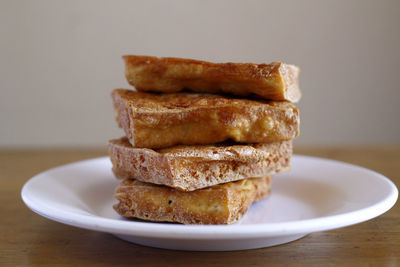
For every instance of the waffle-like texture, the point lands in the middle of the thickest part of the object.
(189, 168)
(275, 81)
(164, 120)
(220, 204)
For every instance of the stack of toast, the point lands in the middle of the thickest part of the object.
(202, 139)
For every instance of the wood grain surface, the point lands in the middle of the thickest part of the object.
(28, 239)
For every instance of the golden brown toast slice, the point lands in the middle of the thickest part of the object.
(220, 204)
(164, 120)
(275, 81)
(189, 168)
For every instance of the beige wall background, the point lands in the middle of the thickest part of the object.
(59, 61)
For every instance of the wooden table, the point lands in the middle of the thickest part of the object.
(29, 239)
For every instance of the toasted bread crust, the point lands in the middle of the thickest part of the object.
(164, 120)
(189, 168)
(220, 204)
(275, 81)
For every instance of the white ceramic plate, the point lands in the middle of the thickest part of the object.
(316, 195)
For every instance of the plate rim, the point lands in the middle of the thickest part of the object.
(179, 231)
